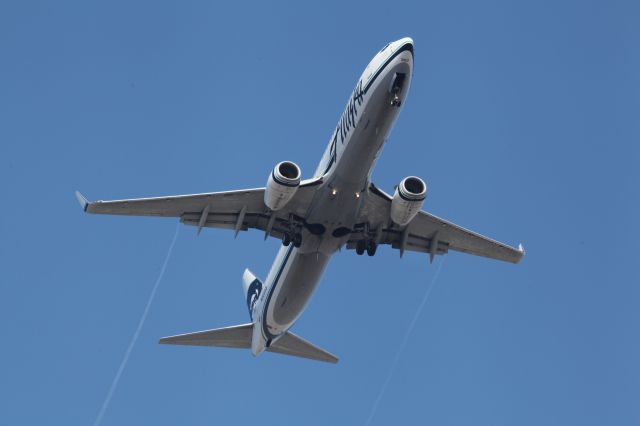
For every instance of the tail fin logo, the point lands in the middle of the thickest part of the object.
(253, 294)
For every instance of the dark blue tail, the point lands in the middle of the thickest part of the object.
(252, 290)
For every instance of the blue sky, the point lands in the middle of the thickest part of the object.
(523, 119)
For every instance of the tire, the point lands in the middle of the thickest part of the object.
(360, 247)
(286, 240)
(297, 240)
(371, 248)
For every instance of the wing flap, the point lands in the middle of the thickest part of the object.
(250, 221)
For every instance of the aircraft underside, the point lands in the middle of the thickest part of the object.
(337, 208)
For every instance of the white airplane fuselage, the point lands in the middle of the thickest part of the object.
(345, 169)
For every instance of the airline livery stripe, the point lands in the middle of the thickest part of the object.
(334, 142)
(407, 46)
(265, 330)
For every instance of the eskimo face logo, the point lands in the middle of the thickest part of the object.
(253, 293)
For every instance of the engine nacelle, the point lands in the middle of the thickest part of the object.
(407, 200)
(282, 185)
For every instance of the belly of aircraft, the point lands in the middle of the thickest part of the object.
(336, 204)
(295, 290)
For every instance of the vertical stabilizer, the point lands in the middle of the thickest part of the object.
(252, 289)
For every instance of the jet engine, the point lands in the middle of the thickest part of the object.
(407, 200)
(282, 185)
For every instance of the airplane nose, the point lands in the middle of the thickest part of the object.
(406, 41)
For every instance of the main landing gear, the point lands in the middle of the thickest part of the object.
(289, 238)
(369, 239)
(293, 234)
(369, 245)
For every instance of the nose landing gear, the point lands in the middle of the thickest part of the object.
(396, 87)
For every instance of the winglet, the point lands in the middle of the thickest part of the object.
(84, 203)
(522, 252)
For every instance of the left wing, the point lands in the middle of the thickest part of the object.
(426, 233)
(237, 210)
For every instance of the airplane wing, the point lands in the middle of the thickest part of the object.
(237, 210)
(427, 233)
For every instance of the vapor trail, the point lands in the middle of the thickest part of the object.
(404, 343)
(134, 339)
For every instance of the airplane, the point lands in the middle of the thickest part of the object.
(338, 207)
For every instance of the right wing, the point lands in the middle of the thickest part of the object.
(237, 210)
(427, 233)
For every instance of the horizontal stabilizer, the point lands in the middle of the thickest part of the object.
(237, 336)
(290, 344)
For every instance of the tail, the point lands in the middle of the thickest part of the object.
(252, 290)
(239, 336)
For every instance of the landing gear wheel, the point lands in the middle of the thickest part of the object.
(297, 240)
(286, 240)
(360, 247)
(371, 248)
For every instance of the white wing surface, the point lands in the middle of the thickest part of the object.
(237, 336)
(427, 233)
(291, 344)
(236, 210)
